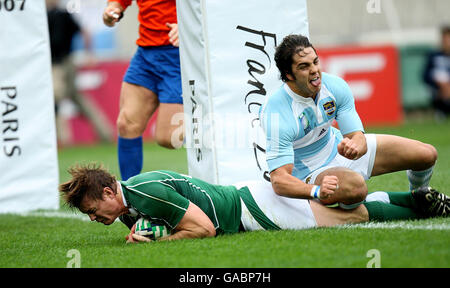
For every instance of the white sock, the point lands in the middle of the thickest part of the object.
(419, 178)
(378, 196)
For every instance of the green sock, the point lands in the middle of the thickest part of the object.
(404, 199)
(379, 211)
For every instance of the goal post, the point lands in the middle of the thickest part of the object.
(227, 67)
(28, 153)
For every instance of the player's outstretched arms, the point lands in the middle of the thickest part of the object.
(111, 14)
(353, 146)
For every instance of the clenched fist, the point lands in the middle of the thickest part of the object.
(112, 13)
(328, 187)
(353, 147)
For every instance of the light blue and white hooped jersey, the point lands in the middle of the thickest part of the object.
(298, 129)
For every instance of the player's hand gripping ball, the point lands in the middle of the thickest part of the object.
(153, 231)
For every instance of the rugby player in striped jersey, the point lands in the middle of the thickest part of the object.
(307, 156)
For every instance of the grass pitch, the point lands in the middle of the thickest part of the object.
(45, 238)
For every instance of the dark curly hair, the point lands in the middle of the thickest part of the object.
(291, 45)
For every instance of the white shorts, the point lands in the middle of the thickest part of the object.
(363, 165)
(287, 213)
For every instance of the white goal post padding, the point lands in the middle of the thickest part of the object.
(28, 155)
(227, 67)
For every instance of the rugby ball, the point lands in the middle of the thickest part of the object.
(151, 230)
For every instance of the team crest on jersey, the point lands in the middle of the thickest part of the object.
(329, 107)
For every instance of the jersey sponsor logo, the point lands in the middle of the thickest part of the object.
(329, 107)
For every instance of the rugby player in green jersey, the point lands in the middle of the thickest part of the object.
(192, 208)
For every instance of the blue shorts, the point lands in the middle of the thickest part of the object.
(157, 69)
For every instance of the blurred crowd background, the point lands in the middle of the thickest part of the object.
(397, 36)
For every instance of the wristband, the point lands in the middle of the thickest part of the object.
(315, 192)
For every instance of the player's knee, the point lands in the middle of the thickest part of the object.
(164, 142)
(164, 139)
(128, 128)
(429, 155)
(357, 190)
(360, 194)
(423, 157)
(171, 139)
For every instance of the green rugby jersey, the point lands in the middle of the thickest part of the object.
(163, 196)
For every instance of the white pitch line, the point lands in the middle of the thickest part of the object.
(398, 225)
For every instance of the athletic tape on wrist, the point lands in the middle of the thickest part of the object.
(315, 192)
